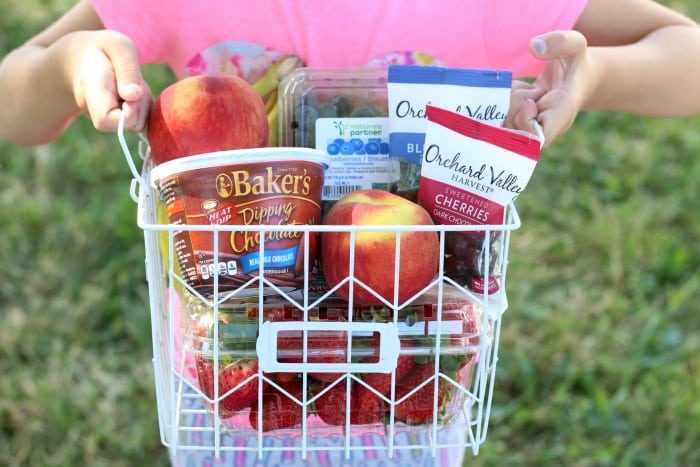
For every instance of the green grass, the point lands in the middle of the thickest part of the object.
(598, 363)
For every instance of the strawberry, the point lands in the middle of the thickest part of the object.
(231, 374)
(327, 347)
(367, 407)
(323, 346)
(381, 382)
(330, 406)
(418, 407)
(461, 330)
(283, 377)
(278, 409)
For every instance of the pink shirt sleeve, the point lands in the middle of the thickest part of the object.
(333, 33)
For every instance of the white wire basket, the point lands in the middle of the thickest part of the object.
(192, 418)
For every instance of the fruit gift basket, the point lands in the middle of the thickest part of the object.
(252, 355)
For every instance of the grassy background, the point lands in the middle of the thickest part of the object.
(599, 356)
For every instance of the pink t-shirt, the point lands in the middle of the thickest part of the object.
(245, 36)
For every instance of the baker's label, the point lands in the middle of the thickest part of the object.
(251, 194)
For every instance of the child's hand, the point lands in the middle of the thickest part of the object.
(564, 82)
(106, 77)
(523, 106)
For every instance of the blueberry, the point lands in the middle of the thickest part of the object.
(357, 143)
(368, 111)
(328, 110)
(333, 149)
(304, 125)
(305, 139)
(372, 148)
(343, 106)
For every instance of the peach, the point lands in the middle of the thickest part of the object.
(375, 252)
(202, 114)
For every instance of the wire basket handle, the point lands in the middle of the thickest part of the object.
(129, 158)
(389, 346)
(538, 130)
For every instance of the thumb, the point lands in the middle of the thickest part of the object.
(127, 71)
(558, 44)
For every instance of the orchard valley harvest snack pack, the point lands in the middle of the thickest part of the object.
(480, 94)
(456, 188)
(470, 172)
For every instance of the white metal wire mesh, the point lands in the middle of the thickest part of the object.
(191, 419)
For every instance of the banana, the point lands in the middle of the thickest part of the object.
(164, 243)
(271, 101)
(266, 85)
(273, 123)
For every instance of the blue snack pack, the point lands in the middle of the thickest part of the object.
(480, 94)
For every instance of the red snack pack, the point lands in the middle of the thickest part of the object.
(470, 172)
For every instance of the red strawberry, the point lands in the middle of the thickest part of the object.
(323, 346)
(283, 312)
(418, 408)
(282, 377)
(382, 381)
(327, 347)
(367, 407)
(278, 409)
(330, 406)
(461, 330)
(231, 374)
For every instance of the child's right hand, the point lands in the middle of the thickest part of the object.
(104, 71)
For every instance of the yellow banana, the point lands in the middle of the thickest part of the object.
(271, 79)
(271, 101)
(273, 123)
(267, 87)
(162, 218)
(164, 244)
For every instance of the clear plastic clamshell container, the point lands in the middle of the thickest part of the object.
(385, 360)
(343, 112)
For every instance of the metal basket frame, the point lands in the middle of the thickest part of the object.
(177, 395)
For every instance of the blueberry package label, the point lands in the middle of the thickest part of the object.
(480, 94)
(359, 155)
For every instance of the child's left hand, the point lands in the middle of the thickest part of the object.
(565, 81)
(559, 92)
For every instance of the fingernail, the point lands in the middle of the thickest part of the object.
(132, 88)
(540, 46)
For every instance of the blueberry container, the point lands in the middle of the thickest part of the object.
(344, 113)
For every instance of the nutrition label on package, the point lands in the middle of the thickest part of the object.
(359, 150)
